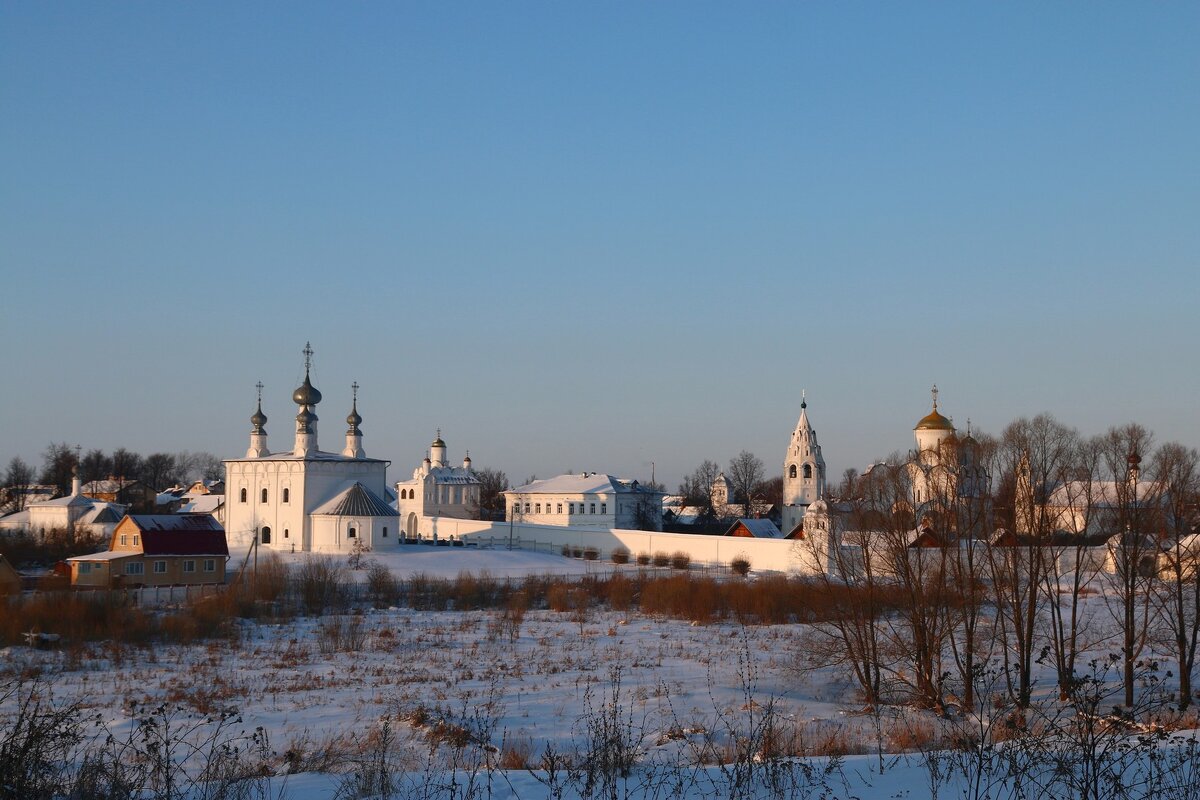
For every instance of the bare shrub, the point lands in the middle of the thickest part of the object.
(620, 592)
(557, 597)
(577, 551)
(661, 559)
(382, 585)
(620, 555)
(37, 741)
(680, 560)
(591, 553)
(643, 559)
(320, 582)
(740, 565)
(611, 739)
(471, 591)
(515, 752)
(341, 635)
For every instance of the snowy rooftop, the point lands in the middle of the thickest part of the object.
(316, 455)
(582, 483)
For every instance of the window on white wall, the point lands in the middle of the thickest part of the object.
(558, 510)
(593, 508)
(604, 508)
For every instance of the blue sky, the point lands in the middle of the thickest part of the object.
(595, 236)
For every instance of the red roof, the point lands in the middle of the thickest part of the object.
(181, 535)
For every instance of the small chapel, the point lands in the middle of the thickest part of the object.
(307, 499)
(438, 489)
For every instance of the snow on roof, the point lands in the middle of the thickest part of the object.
(316, 455)
(1099, 494)
(357, 500)
(758, 528)
(201, 503)
(71, 500)
(582, 483)
(454, 475)
(109, 485)
(106, 555)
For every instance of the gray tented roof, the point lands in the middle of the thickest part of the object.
(357, 501)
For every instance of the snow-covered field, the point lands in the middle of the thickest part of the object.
(681, 698)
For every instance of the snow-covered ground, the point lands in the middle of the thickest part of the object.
(680, 695)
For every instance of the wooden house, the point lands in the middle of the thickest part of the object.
(754, 529)
(156, 550)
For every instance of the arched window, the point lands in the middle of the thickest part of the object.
(808, 471)
(352, 533)
(792, 471)
(285, 533)
(265, 536)
(264, 495)
(243, 495)
(287, 495)
(385, 532)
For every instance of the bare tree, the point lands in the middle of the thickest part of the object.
(1130, 508)
(1069, 567)
(696, 488)
(17, 477)
(58, 466)
(1177, 595)
(160, 470)
(842, 545)
(198, 466)
(492, 485)
(745, 477)
(919, 630)
(1036, 455)
(126, 464)
(95, 466)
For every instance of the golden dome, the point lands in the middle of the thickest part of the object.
(934, 422)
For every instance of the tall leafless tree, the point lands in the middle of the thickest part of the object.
(1130, 514)
(1035, 454)
(17, 478)
(696, 488)
(1177, 594)
(745, 477)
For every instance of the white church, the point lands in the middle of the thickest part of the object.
(438, 489)
(307, 499)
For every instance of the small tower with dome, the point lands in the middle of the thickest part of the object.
(354, 447)
(258, 431)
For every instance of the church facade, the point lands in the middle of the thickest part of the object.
(306, 499)
(437, 489)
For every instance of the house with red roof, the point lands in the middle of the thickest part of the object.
(156, 550)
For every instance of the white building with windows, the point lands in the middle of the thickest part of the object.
(76, 514)
(307, 499)
(437, 489)
(585, 500)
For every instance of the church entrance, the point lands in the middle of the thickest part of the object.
(410, 526)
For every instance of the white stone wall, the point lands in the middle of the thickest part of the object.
(774, 555)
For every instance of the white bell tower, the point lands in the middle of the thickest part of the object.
(803, 471)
